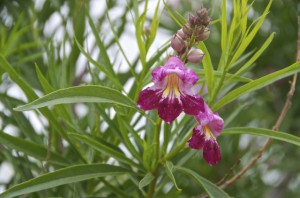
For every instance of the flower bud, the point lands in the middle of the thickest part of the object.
(195, 56)
(204, 35)
(187, 29)
(183, 35)
(192, 20)
(206, 21)
(202, 12)
(178, 44)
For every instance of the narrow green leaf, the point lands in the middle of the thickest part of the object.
(45, 84)
(256, 55)
(179, 23)
(116, 37)
(212, 190)
(277, 135)
(104, 147)
(257, 84)
(154, 26)
(100, 66)
(31, 95)
(249, 37)
(103, 51)
(232, 77)
(169, 170)
(90, 93)
(26, 88)
(63, 176)
(146, 180)
(139, 36)
(208, 68)
(31, 148)
(224, 27)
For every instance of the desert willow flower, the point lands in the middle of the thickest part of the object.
(173, 91)
(205, 133)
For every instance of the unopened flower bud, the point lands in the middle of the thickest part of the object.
(183, 35)
(203, 36)
(178, 44)
(202, 12)
(206, 21)
(192, 20)
(195, 56)
(187, 29)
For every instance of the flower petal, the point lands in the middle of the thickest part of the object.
(149, 98)
(159, 74)
(174, 63)
(192, 105)
(197, 139)
(216, 125)
(211, 152)
(189, 77)
(169, 109)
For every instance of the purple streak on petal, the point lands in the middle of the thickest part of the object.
(192, 105)
(211, 152)
(189, 77)
(169, 109)
(174, 63)
(197, 139)
(159, 74)
(149, 99)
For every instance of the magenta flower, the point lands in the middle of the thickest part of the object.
(205, 134)
(173, 91)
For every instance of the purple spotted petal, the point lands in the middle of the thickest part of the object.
(169, 109)
(149, 99)
(192, 105)
(211, 152)
(197, 139)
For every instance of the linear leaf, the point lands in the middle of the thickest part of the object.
(104, 147)
(179, 22)
(169, 170)
(265, 133)
(247, 40)
(224, 27)
(212, 190)
(146, 180)
(31, 148)
(103, 51)
(257, 84)
(90, 93)
(208, 68)
(63, 176)
(139, 36)
(100, 66)
(256, 55)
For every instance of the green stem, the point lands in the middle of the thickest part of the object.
(177, 149)
(217, 89)
(151, 190)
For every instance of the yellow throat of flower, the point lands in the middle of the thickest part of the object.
(208, 133)
(172, 90)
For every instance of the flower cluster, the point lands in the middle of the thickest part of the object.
(194, 31)
(175, 90)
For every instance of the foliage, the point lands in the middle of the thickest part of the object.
(84, 135)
